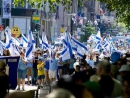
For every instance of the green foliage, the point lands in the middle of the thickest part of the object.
(52, 3)
(88, 30)
(122, 28)
(122, 8)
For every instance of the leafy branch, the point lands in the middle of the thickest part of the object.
(52, 3)
(122, 8)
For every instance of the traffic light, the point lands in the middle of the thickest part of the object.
(38, 27)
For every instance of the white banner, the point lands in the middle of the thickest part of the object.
(6, 9)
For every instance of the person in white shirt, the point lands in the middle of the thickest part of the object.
(91, 62)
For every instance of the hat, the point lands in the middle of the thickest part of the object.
(124, 68)
(41, 58)
(94, 86)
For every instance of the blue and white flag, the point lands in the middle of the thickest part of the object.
(16, 49)
(24, 41)
(45, 45)
(97, 47)
(16, 41)
(98, 36)
(81, 49)
(30, 45)
(67, 52)
(9, 42)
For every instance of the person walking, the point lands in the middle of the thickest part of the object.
(53, 68)
(46, 68)
(22, 70)
(34, 69)
(29, 69)
(60, 66)
(40, 68)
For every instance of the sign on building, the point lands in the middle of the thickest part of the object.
(6, 9)
(36, 19)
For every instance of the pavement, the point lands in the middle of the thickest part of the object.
(41, 92)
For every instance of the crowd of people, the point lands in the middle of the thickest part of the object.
(86, 77)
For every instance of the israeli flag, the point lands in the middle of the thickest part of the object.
(98, 36)
(67, 52)
(64, 40)
(33, 41)
(45, 45)
(30, 45)
(16, 41)
(105, 45)
(97, 47)
(9, 42)
(24, 41)
(81, 49)
(16, 49)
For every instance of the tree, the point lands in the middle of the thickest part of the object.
(52, 3)
(122, 28)
(122, 8)
(88, 30)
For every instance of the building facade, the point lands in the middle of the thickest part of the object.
(20, 16)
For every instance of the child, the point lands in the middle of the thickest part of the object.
(40, 68)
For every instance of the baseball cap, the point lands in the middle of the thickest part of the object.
(124, 68)
(41, 58)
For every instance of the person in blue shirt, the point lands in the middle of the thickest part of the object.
(53, 68)
(22, 70)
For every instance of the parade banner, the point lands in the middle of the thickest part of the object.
(6, 9)
(12, 65)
